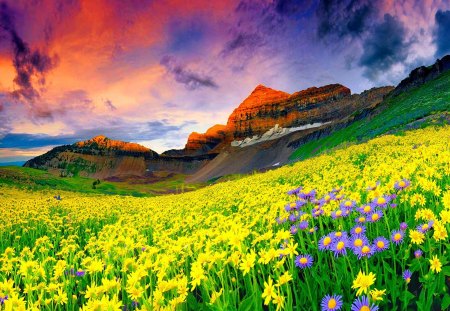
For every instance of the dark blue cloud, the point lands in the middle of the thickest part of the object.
(120, 131)
(385, 46)
(28, 141)
(442, 33)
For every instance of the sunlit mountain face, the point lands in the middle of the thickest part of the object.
(152, 72)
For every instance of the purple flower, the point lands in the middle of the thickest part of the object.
(397, 236)
(366, 209)
(361, 219)
(407, 276)
(347, 204)
(375, 216)
(2, 299)
(293, 229)
(292, 218)
(361, 302)
(403, 226)
(418, 253)
(402, 184)
(337, 213)
(303, 225)
(339, 234)
(316, 212)
(295, 191)
(339, 246)
(80, 273)
(358, 241)
(381, 201)
(331, 303)
(358, 229)
(304, 261)
(326, 242)
(364, 251)
(424, 227)
(380, 244)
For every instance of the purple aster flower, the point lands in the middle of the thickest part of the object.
(316, 212)
(80, 273)
(303, 225)
(337, 213)
(403, 226)
(293, 218)
(347, 204)
(366, 209)
(339, 234)
(407, 276)
(295, 191)
(326, 242)
(293, 229)
(304, 261)
(366, 250)
(362, 304)
(358, 229)
(331, 303)
(423, 228)
(339, 246)
(418, 253)
(375, 216)
(361, 219)
(380, 244)
(402, 184)
(358, 241)
(382, 201)
(299, 204)
(397, 236)
(393, 205)
(287, 207)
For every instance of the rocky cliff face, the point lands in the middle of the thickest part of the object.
(265, 108)
(203, 143)
(423, 74)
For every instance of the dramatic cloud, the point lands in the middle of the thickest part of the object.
(385, 46)
(340, 19)
(442, 33)
(29, 64)
(190, 79)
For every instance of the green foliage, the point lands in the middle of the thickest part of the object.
(395, 113)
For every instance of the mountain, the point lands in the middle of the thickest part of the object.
(267, 129)
(101, 157)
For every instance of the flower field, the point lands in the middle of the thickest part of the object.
(361, 228)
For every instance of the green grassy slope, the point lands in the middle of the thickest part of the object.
(34, 179)
(430, 98)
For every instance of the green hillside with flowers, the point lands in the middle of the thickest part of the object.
(359, 228)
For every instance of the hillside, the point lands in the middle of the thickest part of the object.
(222, 247)
(39, 180)
(408, 109)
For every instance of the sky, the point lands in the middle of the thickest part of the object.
(154, 71)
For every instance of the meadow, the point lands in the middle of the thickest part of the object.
(360, 228)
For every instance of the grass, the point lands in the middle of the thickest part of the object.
(34, 179)
(428, 99)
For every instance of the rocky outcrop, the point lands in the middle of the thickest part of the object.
(204, 143)
(423, 74)
(262, 109)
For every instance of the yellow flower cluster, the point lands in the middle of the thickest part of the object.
(95, 252)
